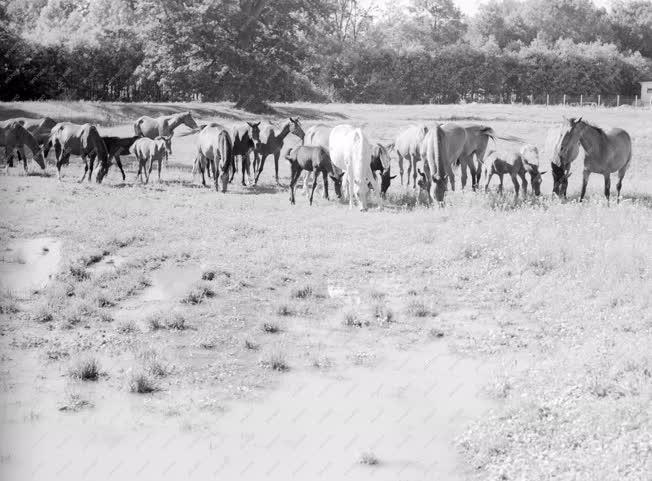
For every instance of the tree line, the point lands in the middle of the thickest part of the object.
(253, 51)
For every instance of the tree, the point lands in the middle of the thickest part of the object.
(632, 25)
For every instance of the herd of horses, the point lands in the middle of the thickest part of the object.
(343, 153)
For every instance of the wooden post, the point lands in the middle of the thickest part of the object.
(581, 100)
(617, 100)
(564, 100)
(547, 100)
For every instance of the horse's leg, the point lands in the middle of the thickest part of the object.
(351, 190)
(151, 167)
(607, 186)
(295, 172)
(85, 168)
(276, 157)
(260, 162)
(400, 166)
(324, 175)
(515, 182)
(242, 157)
(58, 154)
(621, 174)
(159, 160)
(92, 163)
(500, 187)
(524, 183)
(474, 174)
(315, 176)
(585, 181)
(122, 171)
(489, 174)
(413, 163)
(463, 166)
(20, 152)
(451, 178)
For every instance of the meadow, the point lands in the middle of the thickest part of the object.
(168, 331)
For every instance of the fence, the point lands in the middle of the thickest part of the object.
(587, 100)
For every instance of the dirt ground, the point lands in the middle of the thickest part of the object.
(172, 332)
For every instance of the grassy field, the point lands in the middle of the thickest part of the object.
(171, 332)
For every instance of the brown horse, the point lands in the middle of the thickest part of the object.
(472, 156)
(441, 148)
(83, 140)
(316, 136)
(245, 139)
(315, 160)
(163, 126)
(381, 162)
(605, 152)
(116, 146)
(15, 137)
(271, 144)
(515, 165)
(40, 129)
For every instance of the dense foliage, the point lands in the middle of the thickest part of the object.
(254, 50)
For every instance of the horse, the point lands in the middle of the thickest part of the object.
(116, 146)
(245, 140)
(316, 136)
(83, 140)
(605, 152)
(560, 174)
(515, 164)
(271, 144)
(350, 151)
(440, 148)
(407, 146)
(472, 156)
(40, 129)
(163, 126)
(215, 151)
(15, 137)
(148, 150)
(381, 162)
(316, 160)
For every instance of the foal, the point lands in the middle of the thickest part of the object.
(515, 164)
(316, 160)
(148, 150)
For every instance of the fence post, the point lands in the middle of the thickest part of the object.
(564, 100)
(599, 103)
(617, 100)
(547, 100)
(581, 100)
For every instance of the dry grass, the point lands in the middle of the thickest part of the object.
(565, 283)
(142, 383)
(86, 370)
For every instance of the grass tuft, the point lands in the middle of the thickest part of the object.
(251, 345)
(285, 310)
(370, 459)
(303, 292)
(352, 319)
(277, 361)
(42, 314)
(417, 308)
(86, 370)
(198, 294)
(141, 383)
(127, 327)
(271, 327)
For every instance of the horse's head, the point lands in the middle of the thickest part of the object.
(167, 143)
(187, 119)
(560, 177)
(337, 181)
(536, 177)
(254, 133)
(296, 129)
(569, 136)
(441, 182)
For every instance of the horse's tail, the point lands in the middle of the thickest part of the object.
(226, 149)
(358, 147)
(437, 147)
(137, 130)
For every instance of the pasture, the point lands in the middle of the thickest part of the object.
(167, 331)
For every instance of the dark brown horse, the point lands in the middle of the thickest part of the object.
(116, 146)
(316, 160)
(15, 137)
(271, 143)
(381, 162)
(245, 139)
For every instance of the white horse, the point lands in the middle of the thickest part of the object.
(350, 151)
